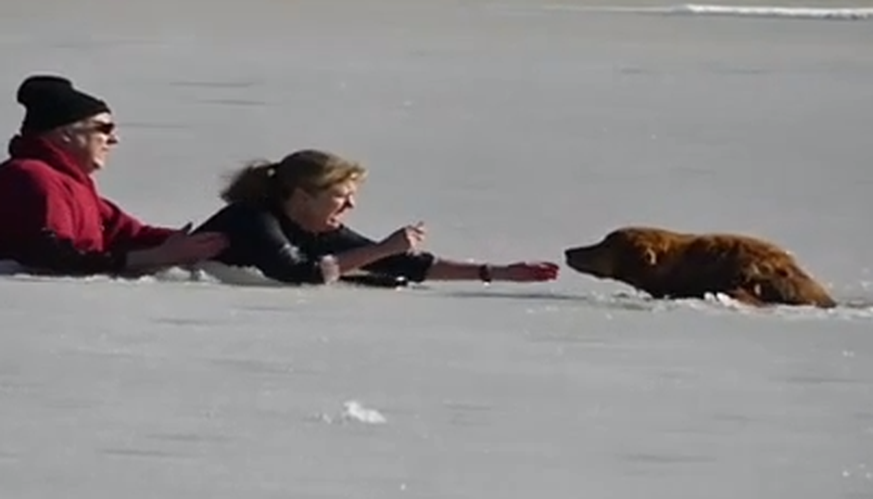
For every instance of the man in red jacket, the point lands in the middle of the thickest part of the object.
(52, 219)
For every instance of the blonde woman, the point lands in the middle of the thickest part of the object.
(286, 219)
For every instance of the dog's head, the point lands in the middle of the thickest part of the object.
(623, 254)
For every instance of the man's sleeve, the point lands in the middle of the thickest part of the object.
(39, 220)
(123, 231)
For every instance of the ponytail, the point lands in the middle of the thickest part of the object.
(264, 182)
(255, 183)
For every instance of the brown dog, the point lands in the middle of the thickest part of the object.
(668, 264)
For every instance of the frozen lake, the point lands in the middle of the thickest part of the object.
(513, 129)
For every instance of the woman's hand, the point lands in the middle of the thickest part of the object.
(405, 239)
(526, 272)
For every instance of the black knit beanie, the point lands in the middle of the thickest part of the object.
(51, 101)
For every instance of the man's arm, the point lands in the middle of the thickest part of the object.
(126, 232)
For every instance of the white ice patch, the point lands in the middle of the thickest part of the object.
(354, 411)
(770, 11)
(820, 13)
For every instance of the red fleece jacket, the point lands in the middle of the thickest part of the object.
(53, 218)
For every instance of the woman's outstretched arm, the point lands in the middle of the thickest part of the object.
(420, 266)
(452, 270)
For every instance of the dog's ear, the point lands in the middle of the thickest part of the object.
(754, 271)
(650, 257)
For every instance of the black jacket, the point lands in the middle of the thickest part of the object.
(260, 237)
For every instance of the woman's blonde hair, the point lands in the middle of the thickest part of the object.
(311, 170)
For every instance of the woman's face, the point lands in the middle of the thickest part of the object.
(325, 210)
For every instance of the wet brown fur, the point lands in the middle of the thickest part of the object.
(669, 264)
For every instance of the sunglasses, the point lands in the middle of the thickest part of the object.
(105, 128)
